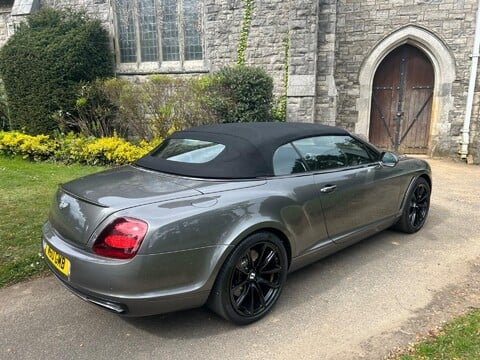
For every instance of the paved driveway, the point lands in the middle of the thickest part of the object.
(359, 303)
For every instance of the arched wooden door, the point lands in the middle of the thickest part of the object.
(402, 101)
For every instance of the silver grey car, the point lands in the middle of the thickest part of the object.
(219, 215)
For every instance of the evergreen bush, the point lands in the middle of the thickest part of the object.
(45, 62)
(242, 94)
(4, 111)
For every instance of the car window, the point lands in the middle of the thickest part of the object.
(332, 151)
(189, 150)
(286, 161)
(356, 152)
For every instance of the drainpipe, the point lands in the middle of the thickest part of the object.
(471, 88)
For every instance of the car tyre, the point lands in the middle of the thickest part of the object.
(415, 211)
(251, 280)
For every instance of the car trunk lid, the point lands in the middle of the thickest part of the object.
(80, 205)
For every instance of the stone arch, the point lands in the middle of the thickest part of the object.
(444, 70)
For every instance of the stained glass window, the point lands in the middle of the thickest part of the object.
(126, 31)
(144, 27)
(170, 46)
(148, 30)
(193, 42)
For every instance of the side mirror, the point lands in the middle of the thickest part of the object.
(389, 159)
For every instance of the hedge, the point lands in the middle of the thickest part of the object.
(242, 94)
(45, 62)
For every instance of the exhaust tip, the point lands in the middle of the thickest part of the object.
(116, 308)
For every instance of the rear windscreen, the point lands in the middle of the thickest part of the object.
(189, 151)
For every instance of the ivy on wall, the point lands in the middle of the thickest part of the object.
(280, 107)
(245, 30)
(280, 110)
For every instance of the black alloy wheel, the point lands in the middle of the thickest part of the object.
(416, 207)
(251, 280)
(256, 279)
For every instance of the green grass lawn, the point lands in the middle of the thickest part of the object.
(26, 193)
(460, 339)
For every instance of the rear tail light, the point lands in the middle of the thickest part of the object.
(121, 239)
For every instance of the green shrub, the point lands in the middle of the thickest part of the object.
(280, 108)
(45, 62)
(242, 94)
(176, 103)
(4, 110)
(95, 114)
(161, 104)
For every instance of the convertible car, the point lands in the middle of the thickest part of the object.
(219, 215)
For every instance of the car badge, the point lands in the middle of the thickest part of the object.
(63, 205)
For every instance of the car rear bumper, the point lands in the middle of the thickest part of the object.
(144, 285)
(138, 307)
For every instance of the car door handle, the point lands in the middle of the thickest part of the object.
(328, 188)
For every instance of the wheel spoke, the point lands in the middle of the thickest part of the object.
(261, 254)
(240, 268)
(268, 260)
(275, 270)
(236, 287)
(260, 295)
(270, 284)
(252, 300)
(413, 217)
(242, 296)
(422, 195)
(249, 258)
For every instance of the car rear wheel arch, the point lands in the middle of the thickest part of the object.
(268, 229)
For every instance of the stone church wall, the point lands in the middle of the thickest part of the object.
(99, 9)
(361, 25)
(5, 23)
(329, 42)
(266, 37)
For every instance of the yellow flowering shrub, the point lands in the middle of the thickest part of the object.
(111, 150)
(72, 148)
(38, 147)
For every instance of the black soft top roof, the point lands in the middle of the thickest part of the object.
(249, 148)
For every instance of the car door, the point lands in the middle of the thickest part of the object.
(356, 191)
(303, 215)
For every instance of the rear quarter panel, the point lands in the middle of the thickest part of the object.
(216, 223)
(223, 218)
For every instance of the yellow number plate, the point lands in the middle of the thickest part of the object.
(60, 262)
